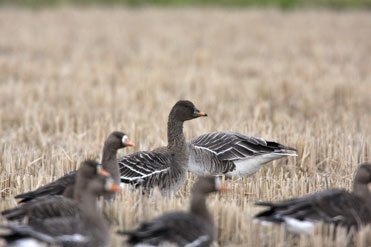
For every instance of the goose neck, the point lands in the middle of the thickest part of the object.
(199, 208)
(175, 135)
(109, 153)
(79, 187)
(109, 162)
(89, 214)
(361, 190)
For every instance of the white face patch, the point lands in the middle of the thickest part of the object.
(124, 139)
(108, 184)
(218, 183)
(99, 168)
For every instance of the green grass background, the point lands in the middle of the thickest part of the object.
(231, 3)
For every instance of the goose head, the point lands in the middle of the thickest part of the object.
(100, 185)
(91, 168)
(363, 175)
(209, 184)
(361, 181)
(117, 140)
(185, 110)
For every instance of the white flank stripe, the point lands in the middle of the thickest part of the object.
(144, 245)
(299, 227)
(199, 241)
(28, 242)
(262, 222)
(73, 238)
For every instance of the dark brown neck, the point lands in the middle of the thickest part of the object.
(109, 162)
(198, 206)
(175, 136)
(80, 185)
(90, 215)
(69, 191)
(361, 190)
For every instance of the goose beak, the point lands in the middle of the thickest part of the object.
(198, 113)
(103, 173)
(129, 143)
(223, 188)
(114, 188)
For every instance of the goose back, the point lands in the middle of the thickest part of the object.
(193, 228)
(65, 184)
(57, 187)
(55, 205)
(348, 209)
(88, 230)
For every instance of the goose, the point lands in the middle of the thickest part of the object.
(337, 206)
(88, 230)
(64, 185)
(165, 167)
(57, 205)
(193, 228)
(232, 154)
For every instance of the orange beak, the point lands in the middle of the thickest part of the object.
(199, 114)
(104, 173)
(129, 143)
(115, 188)
(223, 188)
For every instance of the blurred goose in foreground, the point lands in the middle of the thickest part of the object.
(89, 230)
(194, 228)
(57, 205)
(165, 167)
(232, 153)
(64, 185)
(337, 206)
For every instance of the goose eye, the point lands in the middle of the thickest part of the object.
(124, 139)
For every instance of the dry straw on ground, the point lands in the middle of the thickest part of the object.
(68, 77)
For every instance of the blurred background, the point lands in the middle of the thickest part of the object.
(235, 3)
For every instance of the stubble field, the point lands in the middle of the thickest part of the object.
(69, 77)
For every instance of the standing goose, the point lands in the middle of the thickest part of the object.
(349, 209)
(164, 167)
(57, 205)
(89, 230)
(194, 228)
(64, 185)
(232, 153)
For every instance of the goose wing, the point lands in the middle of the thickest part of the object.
(331, 206)
(43, 208)
(52, 231)
(230, 145)
(179, 228)
(217, 152)
(54, 188)
(146, 168)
